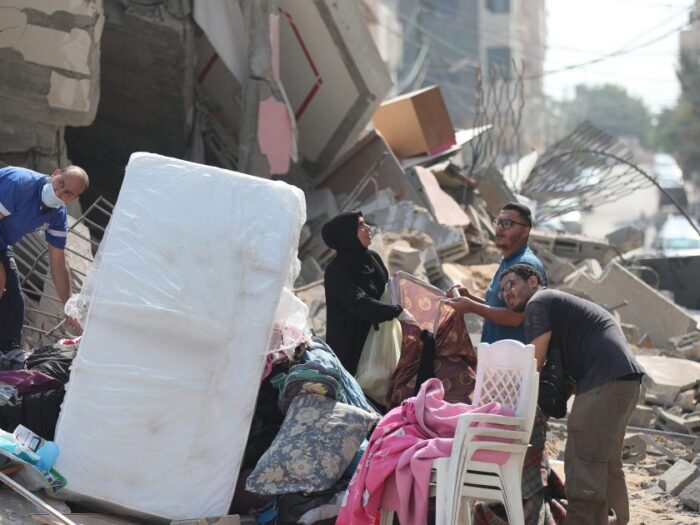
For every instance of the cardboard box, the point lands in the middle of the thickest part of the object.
(416, 123)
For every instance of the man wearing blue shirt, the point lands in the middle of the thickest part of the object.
(30, 201)
(512, 233)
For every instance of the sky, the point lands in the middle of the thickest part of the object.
(580, 31)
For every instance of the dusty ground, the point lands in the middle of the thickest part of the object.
(649, 505)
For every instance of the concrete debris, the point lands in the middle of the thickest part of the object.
(685, 346)
(333, 75)
(634, 448)
(642, 416)
(379, 201)
(314, 296)
(493, 189)
(558, 268)
(646, 307)
(684, 424)
(370, 156)
(675, 273)
(403, 257)
(631, 332)
(450, 242)
(626, 238)
(679, 476)
(53, 52)
(574, 247)
(441, 205)
(658, 448)
(311, 272)
(267, 141)
(321, 206)
(690, 495)
(416, 123)
(475, 277)
(666, 377)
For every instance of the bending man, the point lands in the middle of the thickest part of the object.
(594, 354)
(30, 201)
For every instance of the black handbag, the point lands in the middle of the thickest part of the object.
(554, 386)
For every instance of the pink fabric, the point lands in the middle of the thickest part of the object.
(394, 471)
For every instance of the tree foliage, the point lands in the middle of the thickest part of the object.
(610, 108)
(678, 129)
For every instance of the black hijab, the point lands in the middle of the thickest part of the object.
(340, 234)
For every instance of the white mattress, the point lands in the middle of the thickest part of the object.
(161, 394)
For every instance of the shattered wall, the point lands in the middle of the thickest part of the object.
(50, 59)
(146, 91)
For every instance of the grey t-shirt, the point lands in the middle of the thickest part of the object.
(593, 348)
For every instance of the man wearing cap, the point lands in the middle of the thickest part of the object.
(30, 201)
(512, 233)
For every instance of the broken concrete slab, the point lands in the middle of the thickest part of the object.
(321, 206)
(440, 204)
(371, 154)
(313, 296)
(690, 495)
(685, 346)
(558, 268)
(403, 257)
(449, 241)
(516, 174)
(683, 424)
(634, 448)
(493, 189)
(333, 75)
(660, 318)
(574, 247)
(56, 57)
(679, 476)
(626, 238)
(642, 416)
(667, 376)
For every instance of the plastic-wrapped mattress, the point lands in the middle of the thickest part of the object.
(181, 305)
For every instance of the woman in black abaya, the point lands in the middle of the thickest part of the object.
(355, 281)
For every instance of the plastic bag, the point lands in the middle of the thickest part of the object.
(379, 357)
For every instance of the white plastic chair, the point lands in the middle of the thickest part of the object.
(506, 373)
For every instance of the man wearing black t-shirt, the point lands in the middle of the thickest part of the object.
(595, 355)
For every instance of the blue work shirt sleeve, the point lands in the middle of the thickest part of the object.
(56, 233)
(7, 192)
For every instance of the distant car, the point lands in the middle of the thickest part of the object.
(676, 234)
(666, 171)
(670, 178)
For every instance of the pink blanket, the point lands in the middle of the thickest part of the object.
(394, 471)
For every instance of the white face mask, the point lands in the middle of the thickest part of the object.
(48, 196)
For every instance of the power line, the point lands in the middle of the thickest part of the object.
(608, 56)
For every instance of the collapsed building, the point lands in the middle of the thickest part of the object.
(298, 92)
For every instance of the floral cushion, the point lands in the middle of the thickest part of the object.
(317, 442)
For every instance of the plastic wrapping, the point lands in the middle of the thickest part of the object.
(181, 304)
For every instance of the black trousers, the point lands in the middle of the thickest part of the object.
(11, 303)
